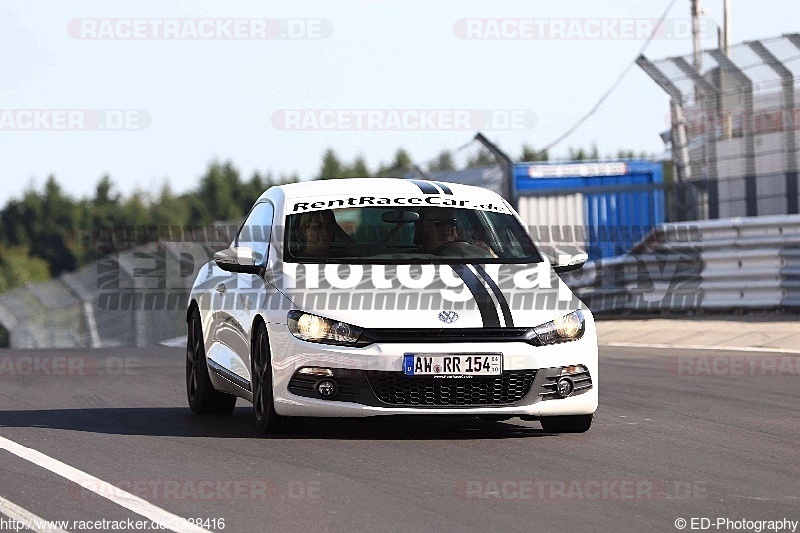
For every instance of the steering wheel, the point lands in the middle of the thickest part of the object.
(450, 244)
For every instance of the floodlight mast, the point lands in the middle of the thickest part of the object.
(697, 46)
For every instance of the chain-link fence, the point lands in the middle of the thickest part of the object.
(734, 120)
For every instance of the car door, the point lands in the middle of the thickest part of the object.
(251, 290)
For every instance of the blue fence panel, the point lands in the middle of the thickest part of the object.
(622, 200)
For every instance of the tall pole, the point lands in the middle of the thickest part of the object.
(726, 22)
(697, 46)
(506, 164)
(725, 45)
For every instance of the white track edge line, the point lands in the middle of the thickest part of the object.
(101, 488)
(27, 518)
(699, 347)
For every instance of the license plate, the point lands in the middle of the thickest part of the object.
(452, 365)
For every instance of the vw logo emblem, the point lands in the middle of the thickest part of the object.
(448, 317)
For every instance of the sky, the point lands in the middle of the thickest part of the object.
(152, 91)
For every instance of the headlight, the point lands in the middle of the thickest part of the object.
(313, 328)
(567, 328)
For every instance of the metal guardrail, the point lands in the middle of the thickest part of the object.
(134, 297)
(752, 263)
(734, 264)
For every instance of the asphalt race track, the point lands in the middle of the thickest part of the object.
(666, 444)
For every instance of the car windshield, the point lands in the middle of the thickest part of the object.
(386, 235)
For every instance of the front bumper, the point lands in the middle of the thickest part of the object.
(371, 382)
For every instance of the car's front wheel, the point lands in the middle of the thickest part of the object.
(567, 424)
(267, 420)
(203, 397)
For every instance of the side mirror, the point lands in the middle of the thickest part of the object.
(239, 259)
(566, 262)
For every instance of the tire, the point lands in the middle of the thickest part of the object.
(567, 424)
(267, 420)
(203, 397)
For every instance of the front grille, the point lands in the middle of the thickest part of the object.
(449, 335)
(395, 388)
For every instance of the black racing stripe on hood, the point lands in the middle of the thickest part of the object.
(497, 294)
(482, 298)
(425, 187)
(445, 188)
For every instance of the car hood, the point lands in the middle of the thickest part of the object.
(428, 296)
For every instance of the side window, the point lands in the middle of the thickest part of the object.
(256, 230)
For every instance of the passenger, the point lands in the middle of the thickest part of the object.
(317, 230)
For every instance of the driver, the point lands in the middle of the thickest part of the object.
(439, 227)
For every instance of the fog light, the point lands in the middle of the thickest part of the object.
(564, 387)
(326, 388)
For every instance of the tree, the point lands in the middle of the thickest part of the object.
(49, 232)
(105, 208)
(529, 154)
(443, 162)
(220, 188)
(400, 164)
(294, 177)
(331, 166)
(359, 168)
(577, 154)
(135, 211)
(595, 153)
(483, 158)
(402, 161)
(44, 223)
(251, 190)
(167, 209)
(17, 267)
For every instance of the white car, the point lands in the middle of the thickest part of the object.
(364, 297)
